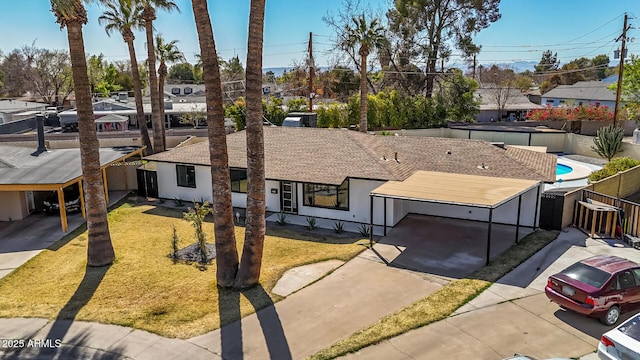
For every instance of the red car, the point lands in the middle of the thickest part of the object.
(602, 286)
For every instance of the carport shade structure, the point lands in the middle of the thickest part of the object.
(54, 170)
(456, 189)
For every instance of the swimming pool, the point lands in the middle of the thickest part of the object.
(562, 169)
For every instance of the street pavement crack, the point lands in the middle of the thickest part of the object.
(398, 349)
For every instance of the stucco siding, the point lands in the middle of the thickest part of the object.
(14, 205)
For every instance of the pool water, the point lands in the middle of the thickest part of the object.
(563, 169)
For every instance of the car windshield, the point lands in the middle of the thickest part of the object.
(631, 328)
(587, 274)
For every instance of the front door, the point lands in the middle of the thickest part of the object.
(288, 198)
(147, 183)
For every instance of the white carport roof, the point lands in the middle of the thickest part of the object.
(457, 189)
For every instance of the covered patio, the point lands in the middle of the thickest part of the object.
(489, 201)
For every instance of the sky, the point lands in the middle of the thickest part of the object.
(572, 28)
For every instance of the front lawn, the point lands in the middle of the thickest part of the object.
(143, 289)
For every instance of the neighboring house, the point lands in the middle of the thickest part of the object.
(580, 93)
(28, 176)
(123, 107)
(514, 104)
(12, 110)
(331, 173)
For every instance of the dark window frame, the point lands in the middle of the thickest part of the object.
(186, 171)
(236, 185)
(308, 196)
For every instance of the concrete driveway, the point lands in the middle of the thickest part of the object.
(513, 315)
(452, 248)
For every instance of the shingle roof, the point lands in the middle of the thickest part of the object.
(586, 90)
(514, 101)
(331, 155)
(57, 166)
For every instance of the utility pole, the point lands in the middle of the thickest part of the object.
(474, 67)
(623, 50)
(311, 72)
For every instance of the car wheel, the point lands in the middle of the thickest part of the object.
(612, 316)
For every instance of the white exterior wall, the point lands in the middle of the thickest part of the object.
(272, 201)
(575, 102)
(168, 183)
(14, 205)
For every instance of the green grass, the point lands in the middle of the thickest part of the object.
(441, 303)
(143, 289)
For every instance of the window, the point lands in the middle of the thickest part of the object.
(186, 175)
(175, 91)
(327, 196)
(187, 90)
(239, 180)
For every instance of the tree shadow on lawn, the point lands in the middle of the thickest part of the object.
(86, 289)
(300, 232)
(231, 323)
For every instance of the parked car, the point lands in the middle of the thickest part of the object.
(622, 342)
(601, 287)
(71, 200)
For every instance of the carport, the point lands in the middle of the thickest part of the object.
(463, 192)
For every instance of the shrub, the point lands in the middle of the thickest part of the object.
(282, 218)
(174, 245)
(613, 167)
(365, 230)
(338, 227)
(178, 201)
(591, 112)
(607, 141)
(196, 217)
(311, 222)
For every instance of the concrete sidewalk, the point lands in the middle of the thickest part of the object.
(66, 339)
(513, 315)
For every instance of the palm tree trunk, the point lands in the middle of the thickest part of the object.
(249, 270)
(99, 250)
(156, 120)
(363, 93)
(224, 229)
(137, 89)
(161, 74)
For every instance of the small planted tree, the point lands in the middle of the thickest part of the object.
(608, 141)
(196, 216)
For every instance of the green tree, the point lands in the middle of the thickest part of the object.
(181, 73)
(149, 8)
(125, 16)
(223, 225)
(548, 62)
(600, 63)
(367, 35)
(72, 15)
(427, 26)
(631, 87)
(608, 141)
(299, 104)
(457, 96)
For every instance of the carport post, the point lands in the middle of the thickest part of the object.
(371, 221)
(385, 216)
(82, 209)
(489, 236)
(518, 220)
(63, 210)
(535, 213)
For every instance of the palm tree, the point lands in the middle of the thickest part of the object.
(148, 15)
(167, 53)
(72, 15)
(249, 270)
(124, 16)
(224, 229)
(369, 36)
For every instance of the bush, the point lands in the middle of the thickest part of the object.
(311, 222)
(608, 141)
(592, 112)
(613, 167)
(338, 227)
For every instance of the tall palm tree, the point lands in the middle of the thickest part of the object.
(251, 262)
(369, 36)
(72, 15)
(224, 229)
(166, 53)
(124, 16)
(148, 15)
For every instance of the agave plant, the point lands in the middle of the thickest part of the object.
(608, 141)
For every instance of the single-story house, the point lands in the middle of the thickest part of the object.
(514, 104)
(581, 93)
(10, 109)
(334, 173)
(29, 175)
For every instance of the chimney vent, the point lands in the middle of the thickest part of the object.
(40, 125)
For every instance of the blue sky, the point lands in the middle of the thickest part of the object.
(572, 28)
